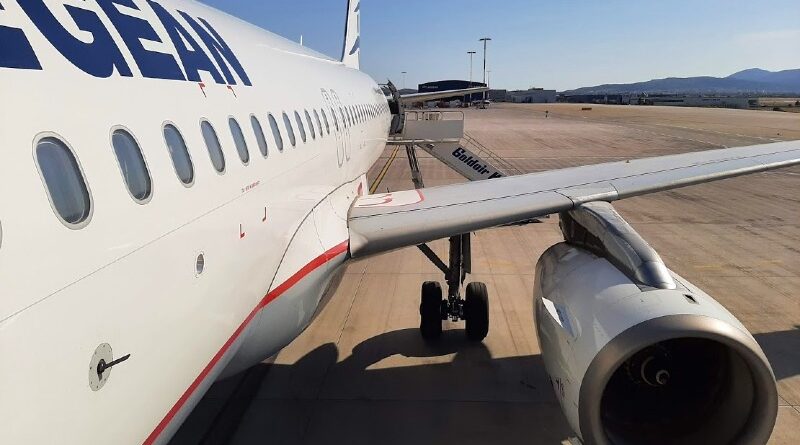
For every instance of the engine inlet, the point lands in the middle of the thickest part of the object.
(710, 385)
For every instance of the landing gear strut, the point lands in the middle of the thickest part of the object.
(474, 308)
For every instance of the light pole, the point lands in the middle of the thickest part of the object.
(488, 78)
(471, 53)
(404, 79)
(485, 40)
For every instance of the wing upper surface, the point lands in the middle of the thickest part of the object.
(383, 222)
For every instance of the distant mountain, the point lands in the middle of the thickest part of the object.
(786, 77)
(751, 81)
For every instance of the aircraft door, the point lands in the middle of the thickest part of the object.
(338, 133)
(347, 123)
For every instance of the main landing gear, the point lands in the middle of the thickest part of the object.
(433, 309)
(473, 308)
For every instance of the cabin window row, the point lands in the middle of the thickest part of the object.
(69, 193)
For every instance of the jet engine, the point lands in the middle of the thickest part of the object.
(638, 355)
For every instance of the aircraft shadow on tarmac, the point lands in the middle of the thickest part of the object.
(377, 395)
(783, 351)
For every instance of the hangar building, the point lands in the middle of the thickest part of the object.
(533, 96)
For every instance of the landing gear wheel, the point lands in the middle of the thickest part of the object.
(430, 310)
(476, 311)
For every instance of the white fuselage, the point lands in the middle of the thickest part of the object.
(272, 233)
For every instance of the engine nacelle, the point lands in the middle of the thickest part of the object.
(638, 355)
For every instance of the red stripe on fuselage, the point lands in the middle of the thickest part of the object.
(270, 297)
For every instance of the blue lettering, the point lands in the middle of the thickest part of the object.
(133, 29)
(194, 59)
(98, 58)
(219, 50)
(16, 50)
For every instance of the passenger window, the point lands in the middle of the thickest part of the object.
(300, 126)
(319, 124)
(239, 141)
(262, 141)
(64, 181)
(310, 125)
(213, 146)
(325, 119)
(289, 130)
(276, 133)
(132, 165)
(179, 154)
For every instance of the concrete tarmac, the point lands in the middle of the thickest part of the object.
(362, 375)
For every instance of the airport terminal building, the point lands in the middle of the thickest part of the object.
(444, 85)
(530, 96)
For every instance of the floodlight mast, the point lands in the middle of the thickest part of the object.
(485, 40)
(471, 53)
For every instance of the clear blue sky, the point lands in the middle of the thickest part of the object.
(558, 44)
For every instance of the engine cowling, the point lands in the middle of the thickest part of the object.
(637, 354)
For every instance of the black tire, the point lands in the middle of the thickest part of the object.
(430, 312)
(476, 311)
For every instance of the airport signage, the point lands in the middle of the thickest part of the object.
(475, 163)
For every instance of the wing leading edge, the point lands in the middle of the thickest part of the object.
(384, 222)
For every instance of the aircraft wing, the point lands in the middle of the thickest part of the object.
(383, 222)
(434, 95)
